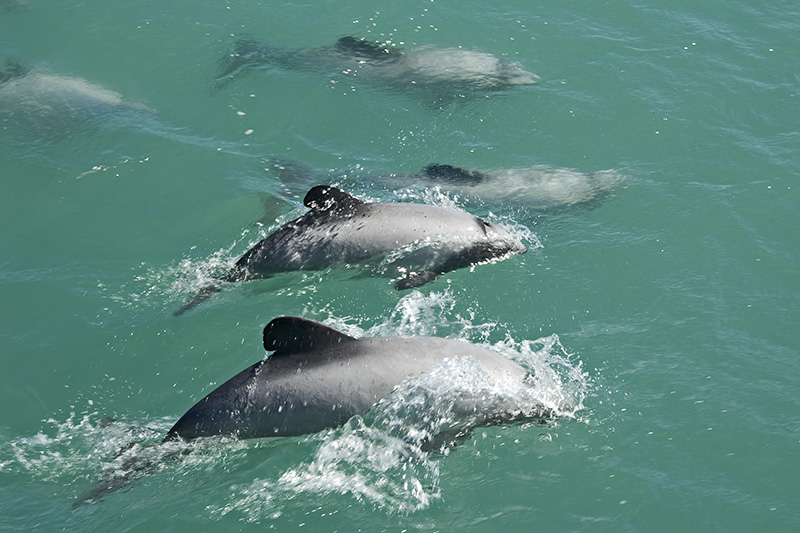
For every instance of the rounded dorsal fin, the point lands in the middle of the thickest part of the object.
(293, 334)
(327, 198)
(364, 49)
(453, 174)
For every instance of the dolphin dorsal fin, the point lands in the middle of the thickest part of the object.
(292, 334)
(327, 198)
(454, 174)
(363, 49)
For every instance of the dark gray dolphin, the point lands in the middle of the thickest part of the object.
(341, 229)
(319, 377)
(443, 71)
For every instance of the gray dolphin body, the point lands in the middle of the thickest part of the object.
(341, 229)
(539, 187)
(319, 378)
(448, 70)
(48, 101)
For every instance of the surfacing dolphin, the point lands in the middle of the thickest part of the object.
(444, 71)
(319, 378)
(341, 229)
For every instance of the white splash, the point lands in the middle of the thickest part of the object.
(392, 456)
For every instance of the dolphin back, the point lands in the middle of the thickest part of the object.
(265, 399)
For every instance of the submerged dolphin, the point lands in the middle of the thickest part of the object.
(319, 378)
(8, 6)
(53, 102)
(449, 70)
(341, 229)
(540, 187)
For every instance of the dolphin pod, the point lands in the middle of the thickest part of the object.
(441, 71)
(341, 229)
(318, 377)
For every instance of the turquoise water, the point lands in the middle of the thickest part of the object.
(664, 313)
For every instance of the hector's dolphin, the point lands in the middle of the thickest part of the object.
(39, 101)
(539, 187)
(341, 229)
(542, 188)
(319, 378)
(443, 71)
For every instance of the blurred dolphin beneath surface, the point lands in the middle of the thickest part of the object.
(9, 6)
(52, 101)
(447, 70)
(537, 187)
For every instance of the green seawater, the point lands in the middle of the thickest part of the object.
(668, 308)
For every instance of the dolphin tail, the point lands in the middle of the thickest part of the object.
(238, 273)
(202, 295)
(109, 485)
(137, 462)
(247, 53)
(11, 70)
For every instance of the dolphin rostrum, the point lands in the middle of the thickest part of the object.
(341, 229)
